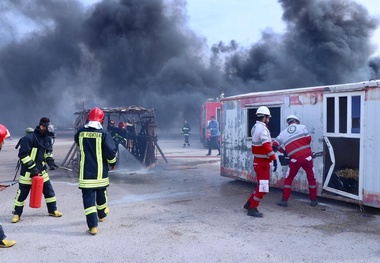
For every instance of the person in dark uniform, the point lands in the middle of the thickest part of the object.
(186, 131)
(98, 151)
(4, 243)
(35, 153)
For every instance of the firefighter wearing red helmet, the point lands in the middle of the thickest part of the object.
(295, 141)
(263, 154)
(98, 152)
(36, 154)
(4, 133)
(120, 136)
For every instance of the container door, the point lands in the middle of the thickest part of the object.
(343, 120)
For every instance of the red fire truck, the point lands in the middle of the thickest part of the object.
(210, 108)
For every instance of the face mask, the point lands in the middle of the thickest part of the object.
(50, 131)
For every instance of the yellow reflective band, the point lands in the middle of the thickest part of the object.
(90, 135)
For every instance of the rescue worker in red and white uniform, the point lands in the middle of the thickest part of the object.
(97, 152)
(295, 141)
(4, 243)
(263, 154)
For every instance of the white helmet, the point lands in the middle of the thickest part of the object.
(292, 118)
(263, 111)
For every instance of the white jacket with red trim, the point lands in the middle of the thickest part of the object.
(262, 142)
(295, 140)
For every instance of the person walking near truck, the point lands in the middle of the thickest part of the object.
(186, 131)
(295, 141)
(4, 243)
(263, 154)
(97, 152)
(213, 127)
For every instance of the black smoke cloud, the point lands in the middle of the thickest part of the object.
(118, 53)
(142, 52)
(325, 42)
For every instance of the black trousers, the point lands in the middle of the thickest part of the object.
(23, 192)
(213, 143)
(94, 203)
(2, 235)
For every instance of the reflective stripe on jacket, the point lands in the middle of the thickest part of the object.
(97, 151)
(295, 140)
(34, 149)
(261, 142)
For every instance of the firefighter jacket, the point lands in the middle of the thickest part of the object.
(213, 126)
(120, 136)
(186, 129)
(35, 149)
(295, 140)
(262, 143)
(97, 151)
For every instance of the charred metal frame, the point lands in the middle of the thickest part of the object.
(145, 144)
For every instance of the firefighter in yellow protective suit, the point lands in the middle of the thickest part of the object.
(4, 133)
(97, 152)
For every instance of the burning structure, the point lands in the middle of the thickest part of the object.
(136, 133)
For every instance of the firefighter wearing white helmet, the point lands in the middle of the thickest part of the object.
(263, 111)
(263, 155)
(292, 118)
(295, 141)
(4, 133)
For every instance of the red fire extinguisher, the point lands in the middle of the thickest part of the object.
(36, 192)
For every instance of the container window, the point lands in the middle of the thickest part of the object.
(355, 114)
(274, 125)
(330, 114)
(342, 114)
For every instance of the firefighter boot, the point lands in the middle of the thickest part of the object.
(106, 211)
(313, 203)
(246, 206)
(93, 231)
(7, 243)
(254, 212)
(282, 203)
(15, 219)
(55, 214)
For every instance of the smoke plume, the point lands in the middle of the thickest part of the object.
(57, 57)
(325, 42)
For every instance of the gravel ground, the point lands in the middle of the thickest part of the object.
(183, 211)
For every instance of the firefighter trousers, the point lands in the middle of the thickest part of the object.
(94, 203)
(23, 192)
(262, 170)
(2, 235)
(294, 166)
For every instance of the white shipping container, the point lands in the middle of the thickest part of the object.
(342, 120)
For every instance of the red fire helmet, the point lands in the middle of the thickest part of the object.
(96, 114)
(121, 125)
(4, 133)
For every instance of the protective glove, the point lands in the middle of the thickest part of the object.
(34, 172)
(274, 165)
(51, 163)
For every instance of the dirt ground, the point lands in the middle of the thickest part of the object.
(183, 211)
